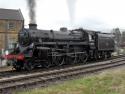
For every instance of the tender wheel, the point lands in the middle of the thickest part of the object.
(105, 55)
(99, 56)
(109, 55)
(102, 56)
(28, 65)
(17, 66)
(96, 56)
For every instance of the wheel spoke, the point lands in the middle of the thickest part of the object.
(59, 60)
(83, 57)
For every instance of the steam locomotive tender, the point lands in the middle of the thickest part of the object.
(47, 47)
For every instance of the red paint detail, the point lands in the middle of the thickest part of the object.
(20, 57)
(9, 56)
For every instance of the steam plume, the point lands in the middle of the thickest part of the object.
(71, 7)
(32, 12)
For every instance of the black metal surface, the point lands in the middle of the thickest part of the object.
(105, 42)
(45, 47)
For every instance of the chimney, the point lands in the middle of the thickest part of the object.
(32, 26)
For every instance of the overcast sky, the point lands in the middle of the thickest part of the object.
(90, 14)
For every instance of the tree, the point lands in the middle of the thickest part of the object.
(123, 39)
(117, 37)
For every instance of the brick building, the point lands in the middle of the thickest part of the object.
(11, 22)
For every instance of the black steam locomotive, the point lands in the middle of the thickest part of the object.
(48, 47)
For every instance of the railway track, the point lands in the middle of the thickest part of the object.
(9, 72)
(39, 79)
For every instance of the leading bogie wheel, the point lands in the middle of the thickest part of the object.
(47, 63)
(18, 68)
(28, 65)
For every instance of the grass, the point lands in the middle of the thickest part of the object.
(108, 82)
